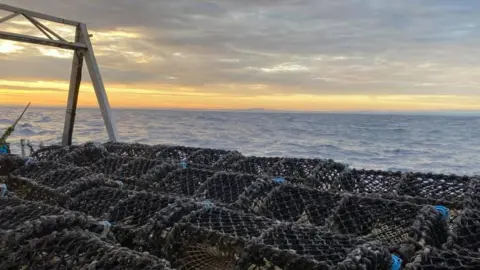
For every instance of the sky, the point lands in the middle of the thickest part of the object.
(312, 55)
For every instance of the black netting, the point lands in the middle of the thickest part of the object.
(77, 249)
(85, 155)
(189, 247)
(256, 165)
(99, 206)
(447, 188)
(466, 231)
(209, 157)
(224, 187)
(110, 165)
(260, 256)
(298, 204)
(226, 221)
(136, 168)
(435, 259)
(136, 210)
(294, 167)
(12, 217)
(379, 219)
(176, 153)
(9, 163)
(59, 178)
(311, 241)
(28, 189)
(472, 198)
(53, 153)
(133, 150)
(36, 169)
(184, 181)
(369, 181)
(97, 202)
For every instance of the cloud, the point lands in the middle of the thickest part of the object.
(341, 47)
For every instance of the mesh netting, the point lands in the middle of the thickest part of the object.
(77, 249)
(97, 202)
(298, 204)
(184, 181)
(369, 181)
(224, 187)
(466, 231)
(189, 247)
(380, 219)
(438, 187)
(435, 259)
(135, 206)
(37, 169)
(311, 241)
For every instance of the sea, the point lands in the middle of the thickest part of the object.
(403, 142)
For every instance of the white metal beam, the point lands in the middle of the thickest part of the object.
(42, 41)
(38, 15)
(8, 17)
(75, 80)
(38, 27)
(97, 82)
(37, 23)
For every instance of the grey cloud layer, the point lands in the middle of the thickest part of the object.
(300, 46)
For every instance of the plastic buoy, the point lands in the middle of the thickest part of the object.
(396, 262)
(279, 180)
(442, 210)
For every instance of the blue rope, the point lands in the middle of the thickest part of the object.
(279, 180)
(396, 263)
(3, 190)
(443, 211)
(183, 163)
(207, 204)
(4, 149)
(106, 228)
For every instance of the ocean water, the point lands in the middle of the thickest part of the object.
(440, 144)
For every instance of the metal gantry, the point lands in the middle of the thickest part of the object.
(83, 49)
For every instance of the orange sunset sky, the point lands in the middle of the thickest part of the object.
(291, 55)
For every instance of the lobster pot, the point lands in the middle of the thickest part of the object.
(466, 231)
(96, 202)
(224, 187)
(324, 247)
(209, 157)
(190, 248)
(258, 256)
(133, 212)
(228, 222)
(255, 165)
(369, 182)
(133, 150)
(439, 188)
(27, 189)
(12, 217)
(38, 169)
(380, 219)
(437, 259)
(84, 155)
(184, 182)
(153, 235)
(299, 204)
(77, 249)
(109, 165)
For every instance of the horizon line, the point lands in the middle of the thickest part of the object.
(263, 110)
